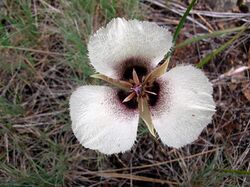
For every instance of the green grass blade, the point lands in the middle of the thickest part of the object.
(182, 21)
(10, 109)
(237, 172)
(215, 52)
(209, 35)
(179, 27)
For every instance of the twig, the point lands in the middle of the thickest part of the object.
(136, 177)
(156, 164)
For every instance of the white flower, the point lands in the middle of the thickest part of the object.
(177, 105)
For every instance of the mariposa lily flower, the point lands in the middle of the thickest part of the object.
(176, 105)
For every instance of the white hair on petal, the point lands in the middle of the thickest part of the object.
(99, 123)
(190, 109)
(122, 39)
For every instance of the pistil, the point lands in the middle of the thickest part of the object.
(137, 89)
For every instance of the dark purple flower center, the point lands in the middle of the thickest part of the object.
(141, 67)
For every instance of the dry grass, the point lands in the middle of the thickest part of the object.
(43, 59)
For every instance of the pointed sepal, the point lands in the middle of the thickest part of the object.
(117, 83)
(145, 114)
(157, 72)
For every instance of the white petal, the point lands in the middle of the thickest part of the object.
(100, 122)
(122, 40)
(185, 106)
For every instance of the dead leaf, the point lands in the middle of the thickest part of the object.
(232, 87)
(246, 91)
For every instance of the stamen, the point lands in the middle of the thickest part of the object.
(139, 90)
(150, 92)
(135, 77)
(129, 97)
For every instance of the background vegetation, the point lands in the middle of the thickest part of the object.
(43, 58)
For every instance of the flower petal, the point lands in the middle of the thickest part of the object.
(100, 121)
(185, 106)
(122, 40)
